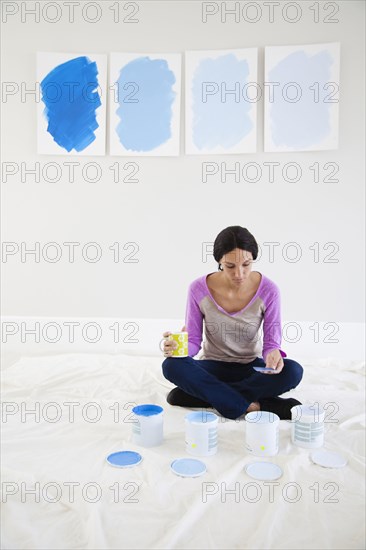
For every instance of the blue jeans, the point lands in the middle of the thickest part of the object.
(230, 387)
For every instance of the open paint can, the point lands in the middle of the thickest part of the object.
(261, 433)
(201, 433)
(147, 427)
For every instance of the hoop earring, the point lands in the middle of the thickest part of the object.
(220, 268)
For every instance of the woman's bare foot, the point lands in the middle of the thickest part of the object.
(255, 406)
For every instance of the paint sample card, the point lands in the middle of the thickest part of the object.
(301, 97)
(144, 104)
(71, 111)
(221, 101)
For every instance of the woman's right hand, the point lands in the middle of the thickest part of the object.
(168, 345)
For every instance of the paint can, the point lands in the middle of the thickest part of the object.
(262, 433)
(307, 428)
(147, 428)
(201, 433)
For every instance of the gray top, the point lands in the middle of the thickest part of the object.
(233, 337)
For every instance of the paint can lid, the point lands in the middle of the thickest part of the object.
(328, 459)
(124, 459)
(188, 467)
(263, 470)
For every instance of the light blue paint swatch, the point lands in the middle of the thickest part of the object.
(307, 121)
(220, 118)
(71, 103)
(145, 97)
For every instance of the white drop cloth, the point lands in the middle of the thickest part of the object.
(309, 507)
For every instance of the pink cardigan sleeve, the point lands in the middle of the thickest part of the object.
(193, 322)
(272, 331)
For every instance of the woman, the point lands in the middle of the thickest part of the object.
(233, 302)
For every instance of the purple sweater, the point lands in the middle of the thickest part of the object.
(233, 337)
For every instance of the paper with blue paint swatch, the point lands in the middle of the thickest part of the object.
(72, 103)
(221, 101)
(145, 104)
(301, 97)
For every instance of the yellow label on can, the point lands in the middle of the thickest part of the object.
(182, 340)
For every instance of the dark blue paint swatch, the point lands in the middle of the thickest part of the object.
(145, 98)
(71, 103)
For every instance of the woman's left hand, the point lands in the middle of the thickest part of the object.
(274, 361)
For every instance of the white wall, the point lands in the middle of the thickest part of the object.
(301, 341)
(170, 212)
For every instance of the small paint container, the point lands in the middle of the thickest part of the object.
(182, 340)
(147, 428)
(307, 428)
(201, 433)
(262, 433)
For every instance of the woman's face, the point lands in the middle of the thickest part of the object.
(237, 266)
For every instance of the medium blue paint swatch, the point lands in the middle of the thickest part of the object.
(71, 103)
(223, 119)
(124, 459)
(305, 122)
(145, 97)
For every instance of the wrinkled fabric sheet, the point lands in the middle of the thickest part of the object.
(58, 491)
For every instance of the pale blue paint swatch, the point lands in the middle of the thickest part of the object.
(145, 97)
(305, 122)
(220, 118)
(71, 103)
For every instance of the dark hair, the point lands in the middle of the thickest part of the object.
(234, 237)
